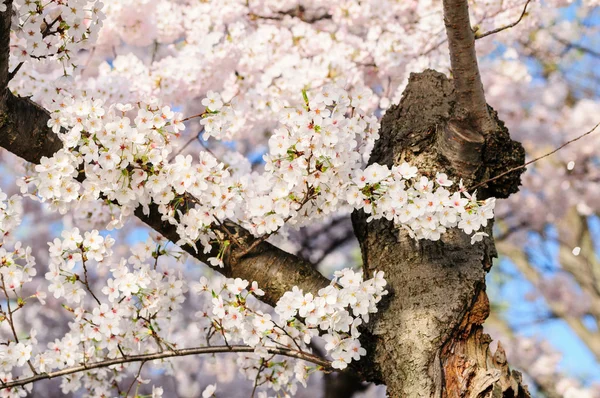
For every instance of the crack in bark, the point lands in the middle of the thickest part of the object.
(438, 297)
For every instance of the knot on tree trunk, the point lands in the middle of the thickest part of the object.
(427, 340)
(427, 130)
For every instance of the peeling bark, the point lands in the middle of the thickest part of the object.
(428, 340)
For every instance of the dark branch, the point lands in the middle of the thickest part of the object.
(15, 71)
(275, 270)
(297, 12)
(570, 45)
(5, 21)
(24, 131)
(325, 364)
(24, 128)
(491, 32)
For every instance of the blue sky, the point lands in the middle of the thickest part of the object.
(577, 360)
(523, 314)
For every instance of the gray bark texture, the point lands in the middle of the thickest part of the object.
(427, 340)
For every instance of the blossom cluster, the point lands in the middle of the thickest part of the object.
(130, 313)
(334, 314)
(17, 268)
(313, 168)
(221, 119)
(315, 161)
(123, 315)
(11, 211)
(127, 162)
(54, 29)
(17, 265)
(71, 251)
(311, 157)
(424, 207)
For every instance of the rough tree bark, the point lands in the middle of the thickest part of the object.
(428, 341)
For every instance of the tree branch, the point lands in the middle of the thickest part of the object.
(325, 364)
(491, 32)
(570, 45)
(275, 270)
(25, 133)
(296, 12)
(465, 71)
(5, 21)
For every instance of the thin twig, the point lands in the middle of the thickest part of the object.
(121, 351)
(194, 116)
(233, 238)
(434, 47)
(185, 146)
(46, 32)
(260, 369)
(11, 321)
(536, 159)
(170, 354)
(86, 282)
(154, 51)
(491, 32)
(10, 312)
(576, 46)
(135, 379)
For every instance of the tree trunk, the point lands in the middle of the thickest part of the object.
(427, 339)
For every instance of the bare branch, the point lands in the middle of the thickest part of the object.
(536, 159)
(465, 71)
(576, 46)
(15, 71)
(325, 364)
(491, 32)
(296, 12)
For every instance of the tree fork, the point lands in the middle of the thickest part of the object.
(427, 339)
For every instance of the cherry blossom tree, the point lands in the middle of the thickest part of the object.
(244, 134)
